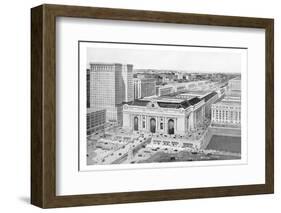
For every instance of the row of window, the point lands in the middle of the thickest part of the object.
(225, 107)
(101, 67)
(161, 122)
(224, 115)
(95, 119)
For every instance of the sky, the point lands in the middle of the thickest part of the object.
(177, 59)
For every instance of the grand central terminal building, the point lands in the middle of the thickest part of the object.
(167, 115)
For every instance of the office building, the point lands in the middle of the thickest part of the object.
(144, 87)
(128, 87)
(95, 121)
(227, 113)
(108, 86)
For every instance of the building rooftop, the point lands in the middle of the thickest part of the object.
(238, 78)
(195, 93)
(90, 110)
(206, 95)
(144, 79)
(169, 99)
(227, 102)
(168, 103)
(138, 102)
(209, 96)
(108, 64)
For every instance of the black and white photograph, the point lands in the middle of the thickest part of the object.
(157, 103)
(133, 105)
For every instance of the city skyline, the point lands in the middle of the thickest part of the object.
(198, 120)
(176, 60)
(144, 107)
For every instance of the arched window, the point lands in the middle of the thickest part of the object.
(171, 128)
(152, 125)
(136, 123)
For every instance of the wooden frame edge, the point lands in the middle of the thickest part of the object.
(269, 105)
(36, 106)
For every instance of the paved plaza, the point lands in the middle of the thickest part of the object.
(119, 146)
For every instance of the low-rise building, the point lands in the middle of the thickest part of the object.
(227, 113)
(165, 90)
(96, 120)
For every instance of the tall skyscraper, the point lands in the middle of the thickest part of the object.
(127, 75)
(108, 86)
(88, 88)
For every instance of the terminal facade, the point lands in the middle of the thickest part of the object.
(167, 115)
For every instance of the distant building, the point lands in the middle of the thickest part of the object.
(159, 79)
(235, 84)
(234, 87)
(179, 75)
(165, 90)
(180, 87)
(186, 76)
(95, 121)
(144, 87)
(177, 87)
(108, 86)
